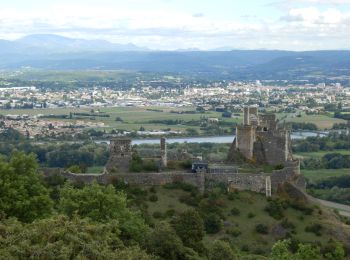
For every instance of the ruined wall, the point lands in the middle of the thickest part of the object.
(241, 181)
(268, 121)
(245, 138)
(272, 147)
(120, 155)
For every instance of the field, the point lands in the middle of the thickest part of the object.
(133, 117)
(315, 175)
(320, 154)
(323, 122)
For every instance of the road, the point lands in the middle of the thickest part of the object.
(344, 210)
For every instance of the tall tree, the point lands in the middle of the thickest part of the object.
(22, 194)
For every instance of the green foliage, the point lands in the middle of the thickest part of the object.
(315, 228)
(102, 204)
(221, 250)
(275, 208)
(153, 198)
(75, 169)
(22, 193)
(262, 229)
(164, 242)
(213, 223)
(189, 227)
(59, 237)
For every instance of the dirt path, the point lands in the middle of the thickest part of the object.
(344, 210)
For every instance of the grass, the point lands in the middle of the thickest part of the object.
(315, 175)
(133, 117)
(323, 122)
(245, 202)
(95, 169)
(320, 154)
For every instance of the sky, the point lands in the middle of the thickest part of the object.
(186, 24)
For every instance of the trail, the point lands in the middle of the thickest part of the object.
(344, 210)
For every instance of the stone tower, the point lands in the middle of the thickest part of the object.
(260, 140)
(163, 152)
(120, 155)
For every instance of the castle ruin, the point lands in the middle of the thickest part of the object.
(260, 140)
(120, 155)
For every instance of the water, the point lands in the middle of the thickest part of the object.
(218, 139)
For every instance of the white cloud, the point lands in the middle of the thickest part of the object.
(301, 28)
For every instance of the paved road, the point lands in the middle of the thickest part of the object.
(344, 210)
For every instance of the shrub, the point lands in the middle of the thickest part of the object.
(251, 215)
(153, 198)
(314, 228)
(212, 223)
(158, 215)
(235, 212)
(170, 212)
(233, 232)
(262, 229)
(287, 224)
(189, 200)
(275, 208)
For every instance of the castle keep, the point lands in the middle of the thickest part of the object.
(260, 140)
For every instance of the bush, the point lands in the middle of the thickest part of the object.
(189, 200)
(212, 223)
(233, 232)
(262, 229)
(251, 215)
(158, 215)
(153, 198)
(314, 228)
(235, 212)
(170, 212)
(275, 208)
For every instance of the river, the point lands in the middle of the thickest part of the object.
(216, 139)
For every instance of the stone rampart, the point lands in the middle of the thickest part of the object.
(241, 181)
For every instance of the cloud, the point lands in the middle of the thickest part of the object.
(300, 28)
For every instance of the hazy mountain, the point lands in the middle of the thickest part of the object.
(61, 53)
(56, 43)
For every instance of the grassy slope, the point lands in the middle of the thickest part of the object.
(247, 203)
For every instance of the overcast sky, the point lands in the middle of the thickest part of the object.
(174, 24)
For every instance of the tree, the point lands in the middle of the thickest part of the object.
(102, 204)
(164, 242)
(189, 227)
(221, 250)
(59, 237)
(213, 223)
(22, 194)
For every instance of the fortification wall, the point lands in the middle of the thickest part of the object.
(245, 138)
(241, 181)
(272, 147)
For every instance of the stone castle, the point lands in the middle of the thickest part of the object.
(258, 140)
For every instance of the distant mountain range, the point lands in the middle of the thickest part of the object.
(62, 53)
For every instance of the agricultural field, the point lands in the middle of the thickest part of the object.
(316, 175)
(323, 122)
(132, 118)
(320, 154)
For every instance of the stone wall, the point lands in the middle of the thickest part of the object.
(272, 147)
(241, 181)
(245, 138)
